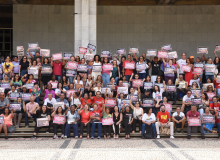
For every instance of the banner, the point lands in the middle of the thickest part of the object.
(151, 52)
(33, 70)
(129, 65)
(26, 96)
(210, 68)
(20, 51)
(89, 57)
(1, 119)
(110, 103)
(67, 55)
(198, 91)
(72, 65)
(148, 85)
(97, 68)
(126, 102)
(171, 88)
(41, 122)
(33, 52)
(107, 67)
(168, 107)
(14, 95)
(137, 82)
(172, 55)
(210, 95)
(162, 54)
(103, 89)
(217, 48)
(197, 71)
(29, 85)
(105, 53)
(194, 121)
(58, 104)
(218, 79)
(45, 52)
(91, 47)
(168, 70)
(54, 84)
(123, 90)
(57, 56)
(126, 84)
(182, 84)
(186, 68)
(15, 106)
(6, 85)
(59, 119)
(198, 65)
(133, 50)
(134, 99)
(202, 50)
(121, 51)
(161, 85)
(82, 68)
(140, 67)
(107, 121)
(208, 119)
(46, 70)
(82, 50)
(167, 47)
(70, 73)
(206, 85)
(68, 92)
(196, 101)
(148, 102)
(33, 45)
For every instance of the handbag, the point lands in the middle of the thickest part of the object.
(165, 130)
(11, 129)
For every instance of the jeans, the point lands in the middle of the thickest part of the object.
(142, 75)
(67, 87)
(38, 100)
(134, 124)
(75, 129)
(26, 118)
(189, 128)
(106, 78)
(58, 78)
(201, 111)
(174, 96)
(56, 126)
(153, 127)
(23, 72)
(128, 77)
(71, 79)
(99, 129)
(82, 126)
(154, 110)
(209, 76)
(218, 127)
(116, 80)
(218, 92)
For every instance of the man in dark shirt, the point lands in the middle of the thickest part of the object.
(147, 94)
(155, 68)
(35, 56)
(147, 61)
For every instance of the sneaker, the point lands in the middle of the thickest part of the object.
(171, 137)
(65, 136)
(47, 131)
(33, 137)
(181, 131)
(76, 137)
(158, 136)
(143, 137)
(62, 136)
(203, 137)
(55, 136)
(99, 137)
(188, 137)
(92, 137)
(154, 137)
(6, 137)
(175, 130)
(27, 126)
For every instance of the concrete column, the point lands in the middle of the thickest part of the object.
(85, 23)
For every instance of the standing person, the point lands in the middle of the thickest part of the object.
(156, 65)
(142, 73)
(164, 120)
(58, 112)
(121, 59)
(169, 65)
(96, 62)
(34, 65)
(85, 119)
(46, 77)
(24, 64)
(217, 85)
(116, 71)
(217, 62)
(148, 119)
(106, 73)
(8, 116)
(117, 118)
(16, 65)
(181, 62)
(209, 74)
(8, 67)
(57, 68)
(4, 102)
(40, 112)
(193, 114)
(72, 59)
(37, 55)
(127, 120)
(127, 72)
(72, 120)
(179, 120)
(189, 75)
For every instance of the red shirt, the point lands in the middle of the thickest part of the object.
(217, 85)
(98, 101)
(57, 68)
(128, 71)
(84, 117)
(163, 116)
(216, 107)
(99, 112)
(190, 114)
(83, 101)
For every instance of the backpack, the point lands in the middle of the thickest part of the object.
(170, 96)
(149, 132)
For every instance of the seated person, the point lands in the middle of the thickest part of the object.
(149, 119)
(187, 101)
(8, 115)
(36, 91)
(208, 127)
(29, 110)
(18, 114)
(180, 89)
(164, 100)
(62, 99)
(197, 79)
(179, 120)
(193, 114)
(49, 102)
(215, 106)
(171, 95)
(163, 120)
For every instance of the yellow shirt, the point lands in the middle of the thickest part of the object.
(10, 67)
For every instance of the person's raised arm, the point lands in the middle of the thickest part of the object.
(30, 53)
(54, 112)
(19, 71)
(103, 106)
(64, 62)
(151, 58)
(35, 109)
(105, 95)
(203, 55)
(215, 54)
(51, 63)
(131, 105)
(66, 112)
(69, 99)
(164, 62)
(12, 113)
(123, 107)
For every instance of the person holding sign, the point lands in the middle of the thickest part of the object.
(217, 84)
(210, 74)
(141, 67)
(179, 120)
(35, 67)
(72, 60)
(193, 114)
(106, 73)
(181, 86)
(4, 102)
(19, 113)
(170, 91)
(35, 56)
(181, 62)
(127, 120)
(164, 120)
(72, 121)
(45, 77)
(207, 127)
(117, 119)
(8, 116)
(156, 65)
(205, 103)
(171, 69)
(57, 68)
(49, 102)
(40, 112)
(106, 114)
(137, 115)
(127, 72)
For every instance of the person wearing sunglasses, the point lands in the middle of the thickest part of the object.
(8, 67)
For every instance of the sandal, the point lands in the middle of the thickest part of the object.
(87, 136)
(80, 137)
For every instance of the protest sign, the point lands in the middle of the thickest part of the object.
(133, 51)
(202, 50)
(57, 56)
(148, 85)
(110, 103)
(107, 121)
(137, 82)
(59, 119)
(45, 52)
(121, 51)
(72, 65)
(82, 68)
(151, 52)
(41, 122)
(67, 55)
(148, 102)
(15, 106)
(162, 54)
(129, 65)
(58, 104)
(97, 68)
(46, 70)
(33, 70)
(194, 121)
(82, 50)
(68, 92)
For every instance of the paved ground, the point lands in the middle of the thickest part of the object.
(120, 149)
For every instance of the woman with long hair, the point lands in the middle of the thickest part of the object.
(142, 72)
(8, 67)
(34, 65)
(127, 120)
(115, 71)
(45, 77)
(24, 64)
(16, 81)
(209, 74)
(8, 116)
(65, 82)
(189, 75)
(117, 119)
(19, 113)
(121, 59)
(105, 73)
(96, 62)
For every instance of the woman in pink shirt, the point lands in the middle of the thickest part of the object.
(8, 116)
(106, 73)
(49, 90)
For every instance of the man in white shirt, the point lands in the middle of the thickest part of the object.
(187, 101)
(181, 62)
(179, 120)
(49, 102)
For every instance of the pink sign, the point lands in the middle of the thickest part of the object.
(72, 65)
(54, 84)
(107, 67)
(137, 82)
(107, 121)
(162, 54)
(168, 107)
(210, 95)
(194, 121)
(186, 68)
(210, 68)
(129, 65)
(68, 92)
(59, 119)
(45, 52)
(57, 56)
(198, 71)
(110, 103)
(82, 50)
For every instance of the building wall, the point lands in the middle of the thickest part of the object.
(146, 27)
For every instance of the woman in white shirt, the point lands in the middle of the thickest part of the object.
(59, 90)
(96, 62)
(149, 119)
(143, 66)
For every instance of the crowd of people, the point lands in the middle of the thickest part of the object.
(122, 97)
